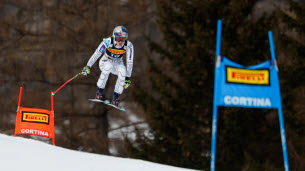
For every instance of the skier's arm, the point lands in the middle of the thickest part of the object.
(129, 63)
(98, 52)
(129, 59)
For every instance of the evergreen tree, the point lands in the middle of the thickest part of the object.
(179, 104)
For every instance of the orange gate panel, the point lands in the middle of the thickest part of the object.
(33, 121)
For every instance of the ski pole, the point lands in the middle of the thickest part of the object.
(53, 93)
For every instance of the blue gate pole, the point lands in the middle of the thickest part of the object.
(271, 45)
(215, 107)
(214, 136)
(283, 138)
(281, 118)
(218, 40)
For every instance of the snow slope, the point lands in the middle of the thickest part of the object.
(18, 153)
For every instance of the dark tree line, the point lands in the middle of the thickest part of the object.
(178, 105)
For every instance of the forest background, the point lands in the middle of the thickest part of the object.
(43, 43)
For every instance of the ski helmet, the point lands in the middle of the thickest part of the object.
(120, 31)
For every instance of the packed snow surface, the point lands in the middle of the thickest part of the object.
(18, 153)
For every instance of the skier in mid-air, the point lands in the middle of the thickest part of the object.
(113, 48)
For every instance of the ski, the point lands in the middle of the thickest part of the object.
(117, 107)
(107, 102)
(101, 101)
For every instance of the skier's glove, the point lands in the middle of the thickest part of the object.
(127, 82)
(86, 71)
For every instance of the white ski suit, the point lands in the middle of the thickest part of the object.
(112, 62)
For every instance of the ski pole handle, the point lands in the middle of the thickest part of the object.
(53, 93)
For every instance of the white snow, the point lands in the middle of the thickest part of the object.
(18, 153)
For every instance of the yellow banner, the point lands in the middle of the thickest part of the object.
(248, 76)
(35, 117)
(117, 52)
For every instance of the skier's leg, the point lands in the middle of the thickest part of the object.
(119, 86)
(106, 67)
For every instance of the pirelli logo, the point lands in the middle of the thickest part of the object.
(248, 76)
(117, 52)
(35, 117)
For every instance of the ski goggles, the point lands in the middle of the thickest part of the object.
(120, 39)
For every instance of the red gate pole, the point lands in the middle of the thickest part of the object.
(19, 102)
(53, 120)
(20, 95)
(52, 103)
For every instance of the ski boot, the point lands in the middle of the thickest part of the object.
(115, 99)
(100, 94)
